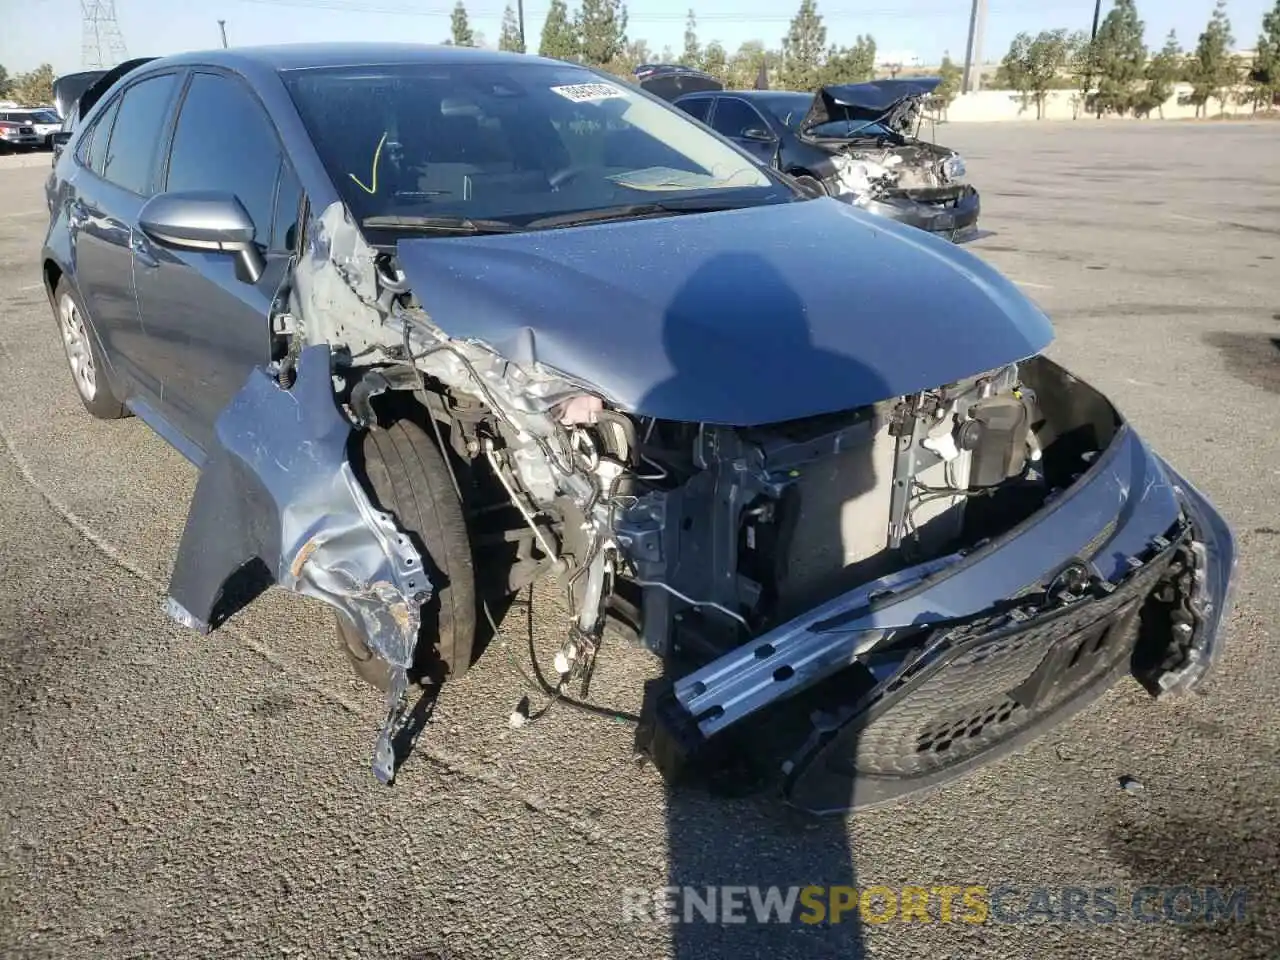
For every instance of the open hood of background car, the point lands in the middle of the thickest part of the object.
(83, 90)
(669, 81)
(878, 100)
(743, 317)
(68, 88)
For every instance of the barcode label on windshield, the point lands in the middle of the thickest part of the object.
(582, 92)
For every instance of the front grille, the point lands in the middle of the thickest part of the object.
(990, 682)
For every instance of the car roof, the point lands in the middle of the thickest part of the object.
(306, 56)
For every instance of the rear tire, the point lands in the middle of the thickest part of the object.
(407, 475)
(84, 356)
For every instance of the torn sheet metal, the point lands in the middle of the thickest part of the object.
(277, 487)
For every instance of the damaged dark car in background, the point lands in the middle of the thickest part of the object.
(435, 323)
(857, 142)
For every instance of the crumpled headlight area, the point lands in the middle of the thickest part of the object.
(953, 169)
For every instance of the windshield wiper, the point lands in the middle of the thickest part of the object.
(632, 211)
(466, 225)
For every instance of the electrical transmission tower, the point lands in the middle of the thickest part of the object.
(101, 43)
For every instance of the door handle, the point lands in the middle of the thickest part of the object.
(141, 248)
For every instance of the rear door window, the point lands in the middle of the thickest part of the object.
(139, 127)
(92, 151)
(225, 141)
(733, 117)
(696, 107)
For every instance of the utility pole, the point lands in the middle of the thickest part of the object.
(222, 25)
(520, 17)
(973, 51)
(1097, 12)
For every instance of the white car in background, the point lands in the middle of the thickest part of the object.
(29, 126)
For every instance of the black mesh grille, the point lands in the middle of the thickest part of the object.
(986, 687)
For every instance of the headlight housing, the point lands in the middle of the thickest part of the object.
(953, 169)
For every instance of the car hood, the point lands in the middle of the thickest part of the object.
(877, 100)
(741, 317)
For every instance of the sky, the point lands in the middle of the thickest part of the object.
(39, 31)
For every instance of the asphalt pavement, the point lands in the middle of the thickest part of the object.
(168, 794)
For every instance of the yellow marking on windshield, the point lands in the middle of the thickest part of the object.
(377, 154)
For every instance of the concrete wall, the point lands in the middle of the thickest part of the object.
(987, 106)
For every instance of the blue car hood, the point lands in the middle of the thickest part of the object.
(743, 317)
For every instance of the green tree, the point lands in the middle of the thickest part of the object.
(1035, 65)
(4, 82)
(1162, 73)
(560, 39)
(635, 53)
(1213, 70)
(804, 49)
(35, 88)
(1264, 77)
(1120, 57)
(850, 64)
(744, 66)
(602, 25)
(949, 76)
(460, 28)
(509, 38)
(715, 60)
(692, 54)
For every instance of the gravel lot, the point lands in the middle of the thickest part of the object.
(166, 794)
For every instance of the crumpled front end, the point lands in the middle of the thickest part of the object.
(919, 184)
(914, 677)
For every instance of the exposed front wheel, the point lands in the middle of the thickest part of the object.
(88, 370)
(407, 475)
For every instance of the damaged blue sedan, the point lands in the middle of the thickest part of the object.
(434, 323)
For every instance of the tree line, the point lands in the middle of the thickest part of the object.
(1114, 73)
(31, 89)
(595, 33)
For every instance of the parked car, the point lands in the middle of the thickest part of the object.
(435, 322)
(856, 142)
(25, 129)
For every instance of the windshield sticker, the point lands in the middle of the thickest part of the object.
(586, 92)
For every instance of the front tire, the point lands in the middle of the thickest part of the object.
(407, 475)
(84, 356)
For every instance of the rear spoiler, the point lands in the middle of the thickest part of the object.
(671, 80)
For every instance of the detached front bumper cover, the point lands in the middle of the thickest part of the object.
(1118, 528)
(931, 217)
(277, 487)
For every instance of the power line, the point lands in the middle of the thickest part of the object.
(101, 43)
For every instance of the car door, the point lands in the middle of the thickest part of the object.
(207, 329)
(112, 181)
(742, 123)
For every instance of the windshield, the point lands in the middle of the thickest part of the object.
(46, 116)
(790, 109)
(510, 141)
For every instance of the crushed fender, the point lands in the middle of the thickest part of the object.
(278, 487)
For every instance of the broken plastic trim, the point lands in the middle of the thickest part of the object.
(277, 487)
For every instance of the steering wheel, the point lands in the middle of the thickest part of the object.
(564, 175)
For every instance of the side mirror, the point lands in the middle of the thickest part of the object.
(61, 138)
(758, 134)
(204, 220)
